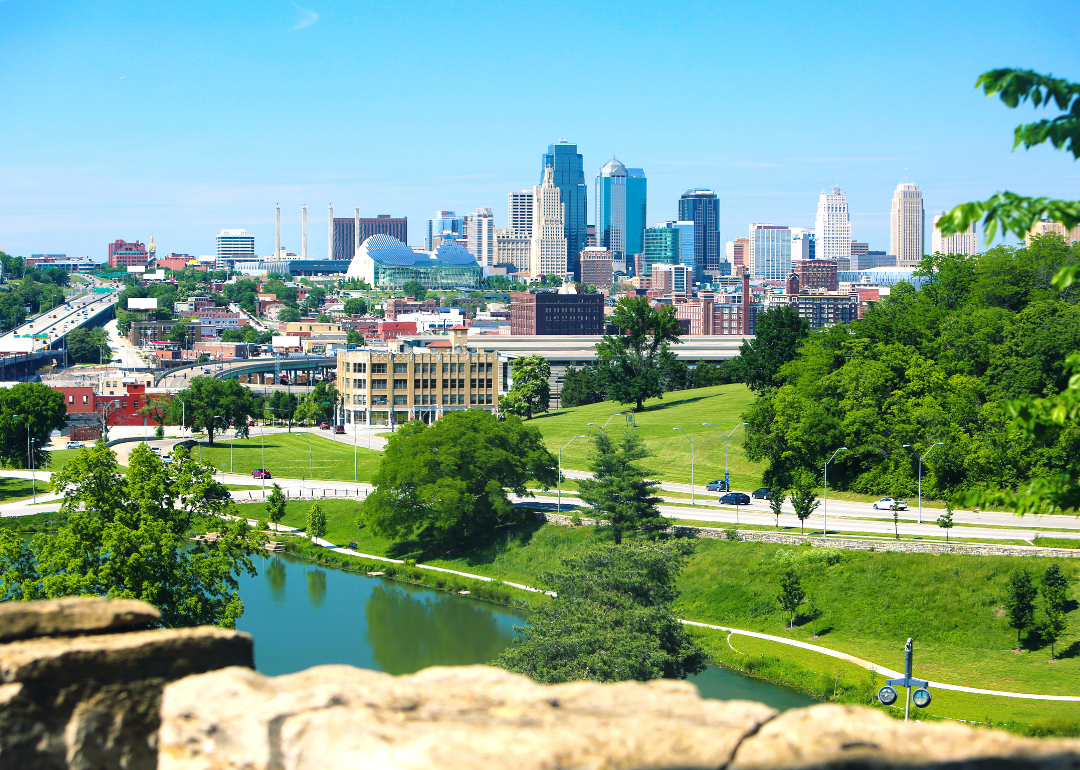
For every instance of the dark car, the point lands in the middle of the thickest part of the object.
(735, 498)
(716, 486)
(761, 494)
(339, 429)
(261, 473)
(216, 492)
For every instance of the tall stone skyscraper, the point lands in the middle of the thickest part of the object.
(907, 225)
(966, 242)
(832, 229)
(547, 251)
(702, 207)
(568, 174)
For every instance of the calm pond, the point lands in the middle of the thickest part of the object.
(302, 615)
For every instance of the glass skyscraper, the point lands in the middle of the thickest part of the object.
(662, 247)
(568, 170)
(636, 194)
(702, 207)
(620, 209)
(446, 225)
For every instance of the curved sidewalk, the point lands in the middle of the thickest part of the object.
(876, 668)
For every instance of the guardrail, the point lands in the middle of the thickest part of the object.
(259, 495)
(265, 365)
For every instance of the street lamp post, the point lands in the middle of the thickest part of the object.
(727, 478)
(825, 507)
(691, 463)
(928, 451)
(226, 424)
(29, 454)
(568, 443)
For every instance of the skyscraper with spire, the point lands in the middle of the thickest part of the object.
(620, 209)
(568, 174)
(832, 228)
(547, 250)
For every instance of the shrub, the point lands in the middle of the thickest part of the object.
(790, 558)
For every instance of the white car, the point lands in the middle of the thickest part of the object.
(156, 450)
(889, 503)
(75, 445)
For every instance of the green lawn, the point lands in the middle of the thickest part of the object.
(13, 490)
(287, 457)
(722, 405)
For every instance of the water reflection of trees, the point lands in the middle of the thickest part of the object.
(316, 587)
(275, 576)
(410, 631)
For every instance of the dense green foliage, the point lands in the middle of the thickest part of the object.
(450, 480)
(166, 295)
(29, 412)
(611, 619)
(355, 306)
(316, 522)
(932, 365)
(618, 491)
(212, 404)
(88, 346)
(637, 362)
(779, 333)
(582, 386)
(415, 289)
(530, 392)
(275, 504)
(126, 537)
(39, 297)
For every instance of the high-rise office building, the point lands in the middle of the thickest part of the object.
(738, 252)
(620, 208)
(447, 225)
(1046, 225)
(832, 228)
(512, 248)
(235, 244)
(663, 246)
(858, 250)
(345, 232)
(481, 236)
(520, 212)
(568, 173)
(702, 207)
(907, 225)
(124, 254)
(803, 244)
(966, 242)
(770, 251)
(547, 252)
(596, 267)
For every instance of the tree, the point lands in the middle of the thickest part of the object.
(1055, 588)
(234, 335)
(316, 522)
(896, 520)
(309, 410)
(582, 386)
(634, 360)
(323, 318)
(776, 505)
(530, 391)
(415, 289)
(706, 374)
(275, 504)
(156, 408)
(1020, 602)
(178, 333)
(779, 333)
(355, 306)
(127, 537)
(449, 480)
(354, 337)
(29, 412)
(791, 594)
(206, 401)
(804, 497)
(611, 619)
(87, 346)
(945, 522)
(813, 612)
(618, 490)
(288, 315)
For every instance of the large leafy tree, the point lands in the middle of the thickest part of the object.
(449, 481)
(211, 404)
(127, 537)
(636, 360)
(29, 412)
(582, 386)
(87, 346)
(779, 333)
(618, 491)
(415, 289)
(531, 392)
(611, 619)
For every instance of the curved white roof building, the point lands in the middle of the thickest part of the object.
(387, 263)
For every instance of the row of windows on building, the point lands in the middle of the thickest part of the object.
(424, 399)
(425, 384)
(447, 368)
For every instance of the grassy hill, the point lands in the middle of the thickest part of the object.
(721, 405)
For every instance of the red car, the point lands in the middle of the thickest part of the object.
(251, 423)
(324, 426)
(261, 473)
(339, 429)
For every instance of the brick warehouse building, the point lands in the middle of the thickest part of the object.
(551, 313)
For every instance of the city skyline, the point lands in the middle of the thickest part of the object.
(78, 176)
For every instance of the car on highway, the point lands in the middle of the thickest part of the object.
(735, 498)
(75, 445)
(716, 486)
(261, 473)
(890, 503)
(761, 494)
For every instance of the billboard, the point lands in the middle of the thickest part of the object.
(136, 303)
(136, 269)
(285, 342)
(157, 275)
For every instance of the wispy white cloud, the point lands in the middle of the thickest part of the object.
(308, 18)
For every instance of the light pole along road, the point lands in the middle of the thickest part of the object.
(727, 476)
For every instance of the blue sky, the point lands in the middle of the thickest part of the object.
(122, 119)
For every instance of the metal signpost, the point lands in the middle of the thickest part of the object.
(921, 696)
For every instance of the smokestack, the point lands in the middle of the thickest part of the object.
(330, 234)
(277, 232)
(356, 230)
(303, 234)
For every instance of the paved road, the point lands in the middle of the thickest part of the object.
(60, 320)
(122, 350)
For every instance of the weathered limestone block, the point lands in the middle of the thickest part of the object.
(72, 615)
(449, 718)
(834, 736)
(93, 701)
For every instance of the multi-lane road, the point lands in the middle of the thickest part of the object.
(57, 322)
